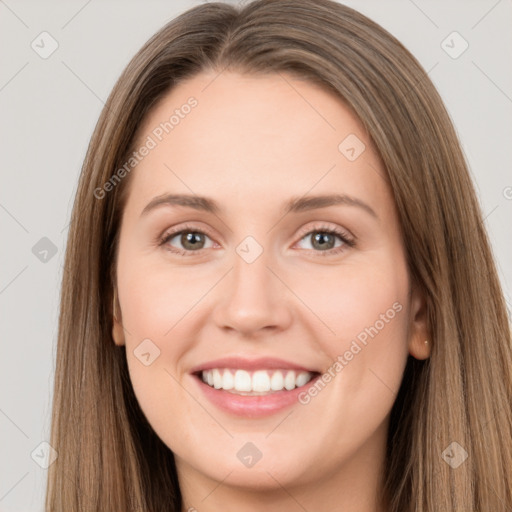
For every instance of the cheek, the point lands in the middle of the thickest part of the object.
(159, 297)
(156, 304)
(356, 301)
(364, 325)
(156, 311)
(370, 318)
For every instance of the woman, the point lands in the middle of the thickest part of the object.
(207, 358)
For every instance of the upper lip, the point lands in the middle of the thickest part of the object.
(260, 363)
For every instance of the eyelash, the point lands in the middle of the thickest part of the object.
(347, 240)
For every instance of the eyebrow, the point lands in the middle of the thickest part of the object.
(294, 205)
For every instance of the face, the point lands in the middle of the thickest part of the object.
(310, 294)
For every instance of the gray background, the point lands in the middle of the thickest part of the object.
(49, 108)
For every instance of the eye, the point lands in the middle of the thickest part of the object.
(323, 240)
(191, 240)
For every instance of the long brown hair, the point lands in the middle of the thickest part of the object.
(109, 457)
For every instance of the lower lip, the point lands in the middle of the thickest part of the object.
(252, 406)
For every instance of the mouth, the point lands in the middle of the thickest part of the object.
(255, 383)
(253, 388)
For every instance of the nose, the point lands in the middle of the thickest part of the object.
(254, 299)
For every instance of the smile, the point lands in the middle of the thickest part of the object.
(255, 383)
(253, 387)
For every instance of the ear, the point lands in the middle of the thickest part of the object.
(117, 326)
(420, 342)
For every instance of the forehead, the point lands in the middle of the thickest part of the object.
(279, 105)
(247, 138)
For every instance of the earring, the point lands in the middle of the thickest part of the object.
(426, 342)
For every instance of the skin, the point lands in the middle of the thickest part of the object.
(251, 144)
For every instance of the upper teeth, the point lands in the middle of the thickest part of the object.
(258, 381)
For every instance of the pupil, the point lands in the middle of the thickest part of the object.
(190, 238)
(321, 239)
